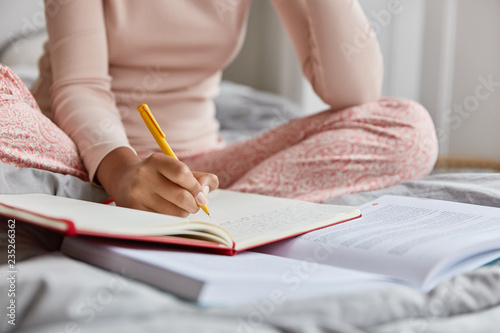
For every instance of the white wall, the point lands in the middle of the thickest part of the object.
(468, 118)
(435, 52)
(20, 17)
(22, 34)
(267, 60)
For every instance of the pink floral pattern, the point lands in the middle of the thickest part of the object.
(328, 154)
(28, 139)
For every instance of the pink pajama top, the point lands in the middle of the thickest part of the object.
(106, 57)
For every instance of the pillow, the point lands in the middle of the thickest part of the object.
(28, 139)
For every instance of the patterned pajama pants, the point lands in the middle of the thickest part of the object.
(331, 153)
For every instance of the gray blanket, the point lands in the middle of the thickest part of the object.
(57, 294)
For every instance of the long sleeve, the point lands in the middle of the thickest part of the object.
(82, 103)
(337, 49)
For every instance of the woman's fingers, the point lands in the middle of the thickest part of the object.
(208, 181)
(189, 193)
(158, 204)
(159, 183)
(150, 190)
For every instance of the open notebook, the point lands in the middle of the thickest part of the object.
(238, 221)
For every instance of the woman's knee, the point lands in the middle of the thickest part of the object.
(417, 137)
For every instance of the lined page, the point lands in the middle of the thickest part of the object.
(252, 218)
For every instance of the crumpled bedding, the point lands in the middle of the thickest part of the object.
(55, 293)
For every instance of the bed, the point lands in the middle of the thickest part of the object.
(58, 294)
(55, 293)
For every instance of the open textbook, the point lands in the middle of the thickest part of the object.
(420, 241)
(412, 242)
(239, 221)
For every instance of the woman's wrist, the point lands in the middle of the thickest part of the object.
(113, 167)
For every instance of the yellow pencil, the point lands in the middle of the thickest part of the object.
(159, 136)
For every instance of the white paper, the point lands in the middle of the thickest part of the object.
(403, 237)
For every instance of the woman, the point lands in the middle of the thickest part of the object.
(105, 57)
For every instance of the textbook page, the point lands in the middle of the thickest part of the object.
(419, 240)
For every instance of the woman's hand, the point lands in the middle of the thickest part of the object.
(159, 183)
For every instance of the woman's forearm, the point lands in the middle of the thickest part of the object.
(337, 48)
(112, 168)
